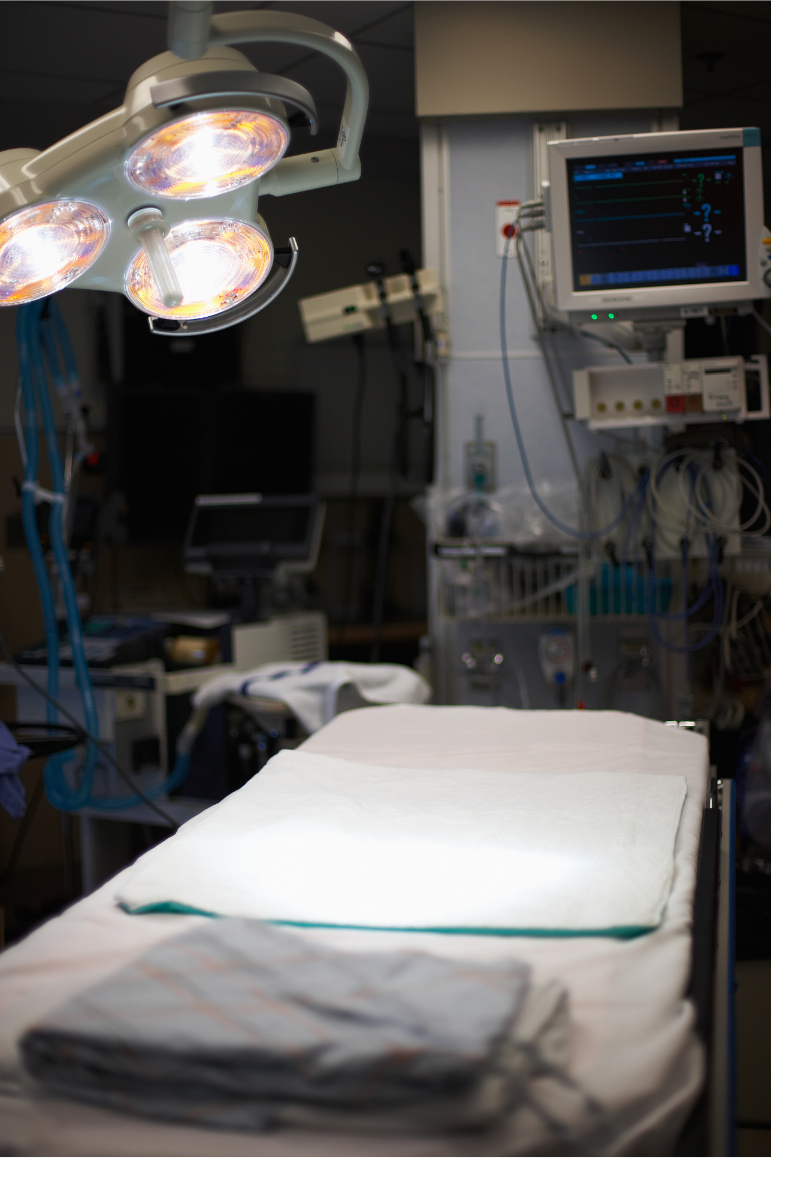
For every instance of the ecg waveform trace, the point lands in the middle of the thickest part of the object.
(651, 220)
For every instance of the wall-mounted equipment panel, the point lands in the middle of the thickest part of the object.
(356, 309)
(691, 392)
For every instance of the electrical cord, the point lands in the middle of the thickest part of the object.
(90, 736)
(30, 332)
(734, 625)
(697, 488)
(400, 443)
(399, 465)
(595, 337)
(426, 368)
(543, 345)
(355, 470)
(698, 493)
(384, 540)
(575, 533)
(549, 314)
(22, 832)
(764, 324)
(716, 622)
(34, 386)
(758, 491)
(617, 472)
(376, 272)
(713, 587)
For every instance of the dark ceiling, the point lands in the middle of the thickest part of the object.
(65, 62)
(726, 71)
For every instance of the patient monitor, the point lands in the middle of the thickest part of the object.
(650, 222)
(240, 539)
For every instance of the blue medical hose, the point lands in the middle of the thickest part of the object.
(54, 778)
(713, 586)
(716, 587)
(27, 350)
(32, 331)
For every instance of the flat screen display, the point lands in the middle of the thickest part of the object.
(252, 524)
(657, 219)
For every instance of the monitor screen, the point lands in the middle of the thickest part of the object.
(649, 221)
(252, 524)
(654, 219)
(247, 534)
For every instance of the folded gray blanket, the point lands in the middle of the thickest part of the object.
(239, 1024)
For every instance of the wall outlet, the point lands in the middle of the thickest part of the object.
(505, 216)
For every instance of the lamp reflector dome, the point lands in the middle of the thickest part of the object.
(47, 246)
(218, 264)
(207, 153)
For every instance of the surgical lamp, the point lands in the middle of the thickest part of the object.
(159, 198)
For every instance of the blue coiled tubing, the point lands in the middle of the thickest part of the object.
(41, 328)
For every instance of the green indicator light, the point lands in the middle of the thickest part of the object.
(594, 316)
(611, 316)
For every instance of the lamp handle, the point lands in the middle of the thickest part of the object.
(276, 281)
(237, 27)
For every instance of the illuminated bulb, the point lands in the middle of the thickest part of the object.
(206, 154)
(218, 264)
(47, 246)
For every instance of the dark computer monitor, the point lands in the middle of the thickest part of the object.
(248, 535)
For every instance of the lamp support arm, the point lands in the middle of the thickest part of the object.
(238, 27)
(188, 23)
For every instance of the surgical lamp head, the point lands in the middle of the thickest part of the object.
(159, 198)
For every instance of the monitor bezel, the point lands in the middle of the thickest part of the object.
(195, 555)
(628, 300)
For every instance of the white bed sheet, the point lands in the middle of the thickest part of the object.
(634, 1048)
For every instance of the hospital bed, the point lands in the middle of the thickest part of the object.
(651, 1025)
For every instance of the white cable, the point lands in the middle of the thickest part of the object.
(524, 696)
(735, 526)
(737, 625)
(733, 625)
(623, 477)
(670, 522)
(758, 492)
(550, 589)
(764, 324)
(727, 519)
(711, 503)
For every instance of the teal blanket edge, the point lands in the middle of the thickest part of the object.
(618, 931)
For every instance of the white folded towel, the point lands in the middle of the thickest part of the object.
(313, 840)
(310, 689)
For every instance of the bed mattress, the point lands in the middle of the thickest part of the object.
(634, 1049)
